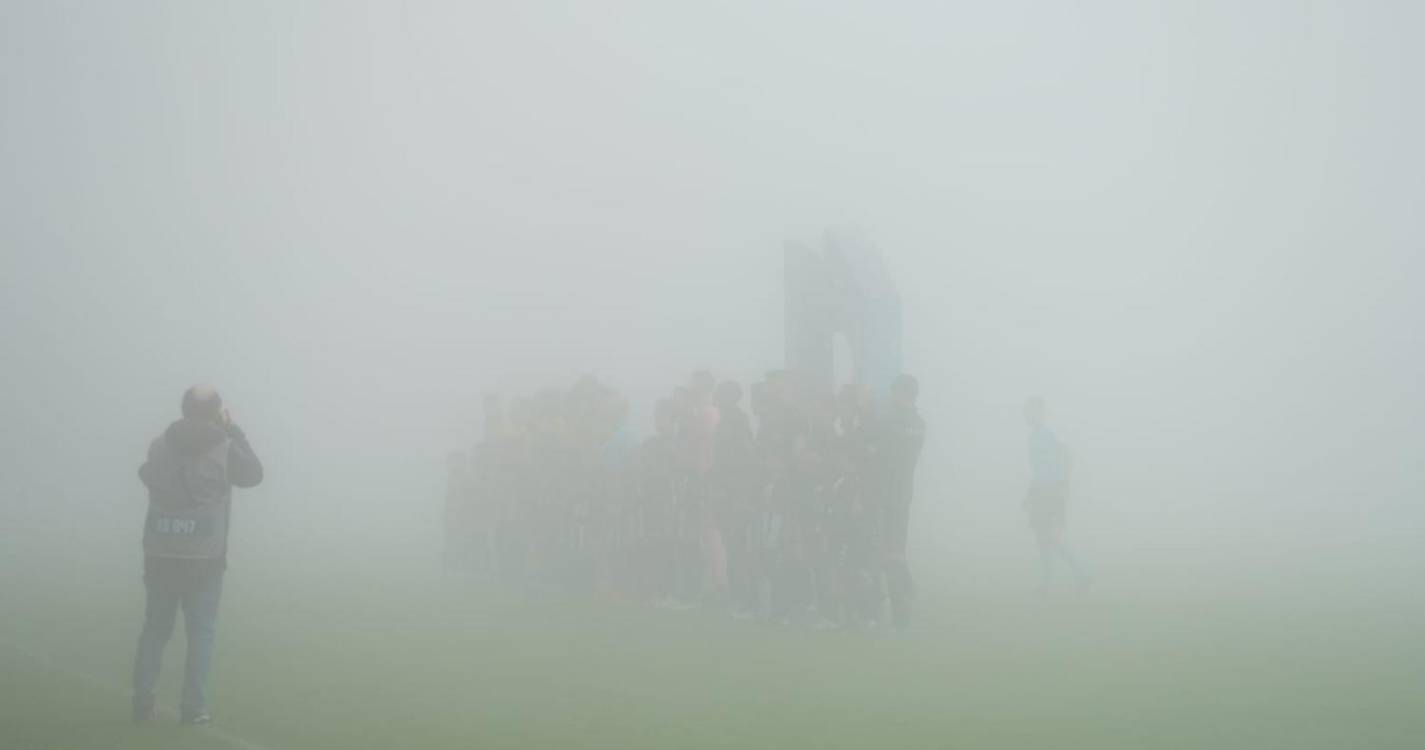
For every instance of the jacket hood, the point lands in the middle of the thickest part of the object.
(189, 437)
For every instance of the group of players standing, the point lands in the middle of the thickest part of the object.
(795, 513)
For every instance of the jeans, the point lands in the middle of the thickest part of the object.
(195, 586)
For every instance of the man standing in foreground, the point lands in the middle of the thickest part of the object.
(190, 472)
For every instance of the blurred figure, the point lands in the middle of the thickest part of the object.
(901, 437)
(190, 472)
(483, 499)
(1050, 466)
(818, 471)
(611, 523)
(659, 484)
(472, 494)
(851, 525)
(699, 423)
(698, 433)
(554, 483)
(514, 495)
(735, 485)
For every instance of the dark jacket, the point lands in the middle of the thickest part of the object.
(901, 435)
(186, 439)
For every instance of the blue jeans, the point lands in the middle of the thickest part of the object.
(195, 586)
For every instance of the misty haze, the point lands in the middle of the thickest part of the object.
(711, 375)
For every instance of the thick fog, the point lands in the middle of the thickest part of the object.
(1193, 228)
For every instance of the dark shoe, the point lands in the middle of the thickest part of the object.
(144, 714)
(199, 719)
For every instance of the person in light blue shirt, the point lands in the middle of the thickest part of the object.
(1050, 466)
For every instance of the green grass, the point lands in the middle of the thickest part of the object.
(379, 665)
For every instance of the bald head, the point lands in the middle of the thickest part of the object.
(202, 402)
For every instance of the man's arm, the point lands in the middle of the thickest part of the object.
(149, 470)
(244, 470)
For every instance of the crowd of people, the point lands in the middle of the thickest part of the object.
(795, 511)
(791, 508)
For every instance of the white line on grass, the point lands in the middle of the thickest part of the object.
(110, 687)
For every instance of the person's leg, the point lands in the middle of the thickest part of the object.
(869, 593)
(714, 558)
(734, 541)
(854, 581)
(780, 590)
(200, 623)
(663, 561)
(160, 612)
(691, 592)
(899, 585)
(827, 581)
(1050, 527)
(690, 558)
(1045, 544)
(766, 591)
(1080, 577)
(797, 588)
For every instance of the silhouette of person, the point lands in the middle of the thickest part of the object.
(1050, 466)
(190, 474)
(901, 436)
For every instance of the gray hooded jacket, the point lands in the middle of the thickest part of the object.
(190, 472)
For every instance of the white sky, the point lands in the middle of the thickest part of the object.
(1194, 227)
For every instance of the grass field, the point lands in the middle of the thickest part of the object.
(434, 665)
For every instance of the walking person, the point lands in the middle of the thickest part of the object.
(1050, 466)
(190, 472)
